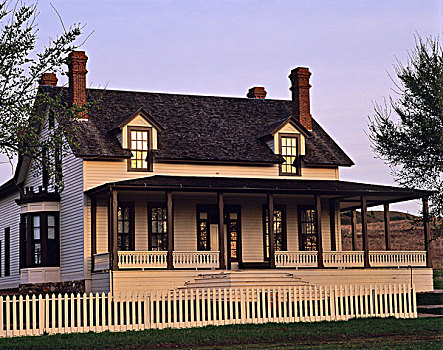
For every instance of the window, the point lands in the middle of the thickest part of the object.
(203, 236)
(7, 251)
(307, 229)
(39, 239)
(58, 153)
(125, 227)
(36, 229)
(45, 171)
(279, 229)
(158, 228)
(289, 149)
(139, 141)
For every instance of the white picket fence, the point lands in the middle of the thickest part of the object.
(200, 307)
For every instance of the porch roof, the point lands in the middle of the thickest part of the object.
(347, 192)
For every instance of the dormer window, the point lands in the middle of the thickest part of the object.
(139, 142)
(290, 151)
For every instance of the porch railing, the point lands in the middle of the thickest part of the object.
(143, 260)
(296, 259)
(159, 260)
(210, 259)
(397, 258)
(343, 259)
(196, 259)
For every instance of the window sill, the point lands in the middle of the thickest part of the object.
(39, 275)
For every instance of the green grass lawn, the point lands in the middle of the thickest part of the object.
(423, 333)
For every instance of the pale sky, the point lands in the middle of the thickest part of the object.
(225, 47)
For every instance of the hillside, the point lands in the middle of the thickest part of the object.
(404, 235)
(375, 216)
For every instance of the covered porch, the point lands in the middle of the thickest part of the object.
(171, 222)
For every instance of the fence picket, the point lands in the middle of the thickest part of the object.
(405, 301)
(414, 302)
(327, 317)
(70, 313)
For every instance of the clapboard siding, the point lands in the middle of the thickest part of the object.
(99, 172)
(102, 226)
(101, 282)
(72, 211)
(421, 277)
(130, 281)
(10, 217)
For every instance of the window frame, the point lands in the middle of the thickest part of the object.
(298, 158)
(148, 158)
(27, 258)
(282, 208)
(150, 207)
(300, 234)
(131, 221)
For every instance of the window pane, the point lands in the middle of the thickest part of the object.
(51, 233)
(37, 254)
(140, 148)
(158, 233)
(36, 232)
(36, 220)
(51, 220)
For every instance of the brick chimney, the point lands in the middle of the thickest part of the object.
(300, 96)
(77, 79)
(257, 92)
(48, 79)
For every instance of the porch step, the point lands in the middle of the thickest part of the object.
(245, 279)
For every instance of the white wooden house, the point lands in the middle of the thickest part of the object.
(176, 191)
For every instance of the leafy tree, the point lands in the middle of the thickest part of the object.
(24, 107)
(407, 132)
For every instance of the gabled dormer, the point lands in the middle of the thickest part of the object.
(138, 132)
(287, 137)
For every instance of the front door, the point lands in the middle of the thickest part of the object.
(207, 231)
(125, 226)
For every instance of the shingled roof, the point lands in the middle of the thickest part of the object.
(200, 128)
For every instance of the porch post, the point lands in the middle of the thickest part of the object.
(354, 229)
(93, 230)
(319, 233)
(332, 222)
(426, 231)
(221, 229)
(270, 199)
(386, 216)
(113, 240)
(364, 228)
(170, 215)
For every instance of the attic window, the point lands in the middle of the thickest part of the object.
(139, 142)
(290, 150)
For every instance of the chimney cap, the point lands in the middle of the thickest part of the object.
(49, 79)
(257, 92)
